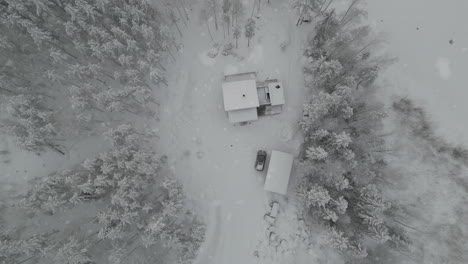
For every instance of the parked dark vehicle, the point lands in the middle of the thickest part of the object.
(260, 161)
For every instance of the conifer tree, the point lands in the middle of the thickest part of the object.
(249, 30)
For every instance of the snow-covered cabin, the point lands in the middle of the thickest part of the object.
(279, 171)
(241, 100)
(245, 98)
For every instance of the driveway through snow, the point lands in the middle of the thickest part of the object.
(215, 159)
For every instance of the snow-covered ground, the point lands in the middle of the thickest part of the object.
(430, 68)
(215, 159)
(430, 38)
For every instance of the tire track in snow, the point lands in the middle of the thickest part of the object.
(212, 237)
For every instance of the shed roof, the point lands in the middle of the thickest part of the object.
(240, 95)
(243, 115)
(276, 93)
(279, 171)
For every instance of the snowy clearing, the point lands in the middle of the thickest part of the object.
(215, 159)
(435, 71)
(123, 142)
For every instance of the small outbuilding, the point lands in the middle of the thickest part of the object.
(279, 171)
(271, 96)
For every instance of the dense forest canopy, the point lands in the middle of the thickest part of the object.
(67, 69)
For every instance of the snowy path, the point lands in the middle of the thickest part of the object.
(214, 159)
(213, 237)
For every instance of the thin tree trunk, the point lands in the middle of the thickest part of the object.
(403, 224)
(128, 105)
(97, 109)
(23, 261)
(321, 6)
(253, 8)
(216, 19)
(97, 242)
(236, 42)
(57, 139)
(163, 81)
(160, 65)
(55, 148)
(180, 15)
(331, 1)
(209, 31)
(178, 29)
(4, 89)
(361, 50)
(62, 49)
(343, 46)
(93, 234)
(347, 11)
(248, 42)
(299, 21)
(130, 111)
(129, 253)
(168, 51)
(17, 77)
(182, 3)
(259, 5)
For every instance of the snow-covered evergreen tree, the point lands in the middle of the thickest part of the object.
(237, 33)
(329, 215)
(379, 233)
(356, 250)
(237, 10)
(336, 239)
(153, 231)
(32, 123)
(314, 195)
(72, 252)
(316, 153)
(249, 30)
(76, 43)
(83, 102)
(204, 17)
(192, 242)
(371, 200)
(213, 8)
(47, 195)
(340, 125)
(326, 105)
(340, 204)
(13, 250)
(307, 8)
(226, 7)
